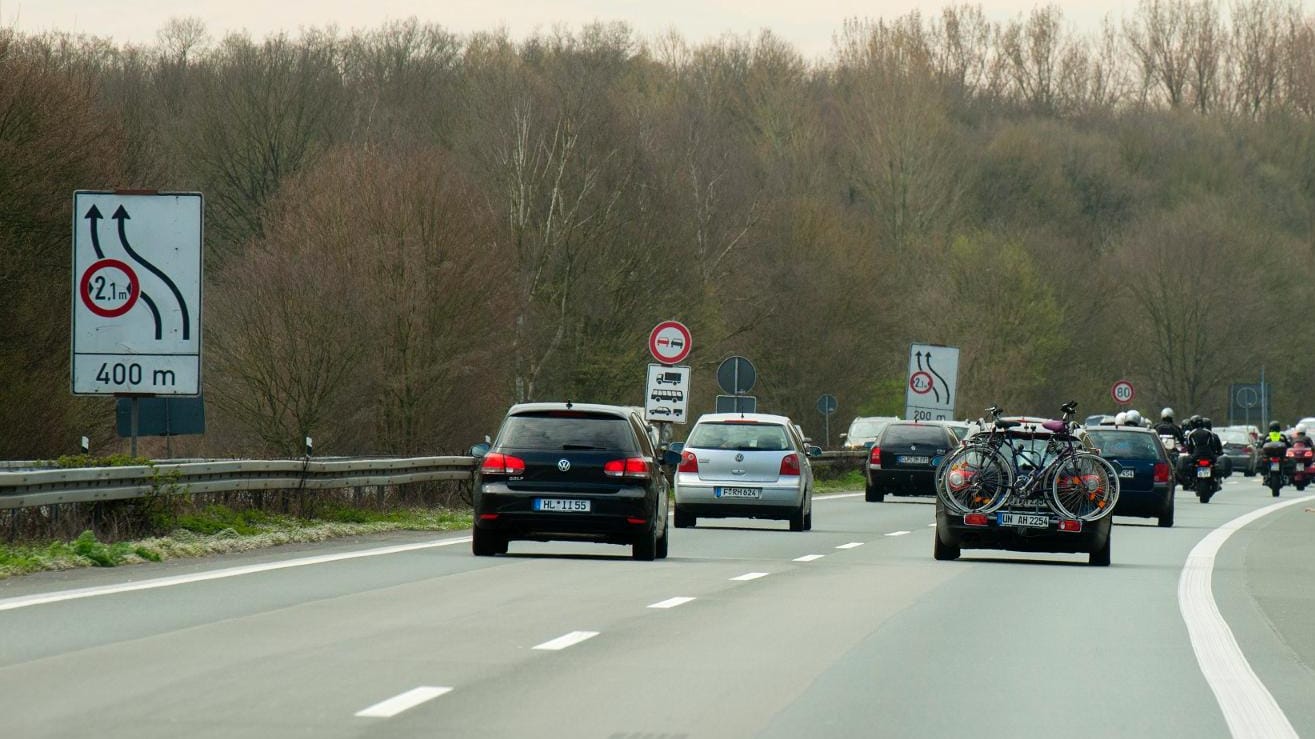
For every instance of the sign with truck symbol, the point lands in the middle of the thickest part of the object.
(666, 396)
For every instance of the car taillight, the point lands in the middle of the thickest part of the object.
(630, 467)
(1161, 473)
(496, 463)
(1071, 525)
(975, 519)
(874, 456)
(790, 464)
(688, 462)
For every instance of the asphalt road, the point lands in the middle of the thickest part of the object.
(748, 629)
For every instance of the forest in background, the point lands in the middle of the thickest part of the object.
(408, 229)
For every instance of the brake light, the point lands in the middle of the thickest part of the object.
(688, 462)
(1161, 473)
(874, 456)
(975, 519)
(1276, 459)
(629, 467)
(1070, 525)
(790, 464)
(496, 463)
(1203, 463)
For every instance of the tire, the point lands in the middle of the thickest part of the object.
(685, 520)
(797, 519)
(1274, 483)
(808, 520)
(942, 551)
(645, 548)
(1302, 486)
(873, 494)
(1085, 487)
(486, 543)
(974, 479)
(663, 541)
(1101, 557)
(1166, 519)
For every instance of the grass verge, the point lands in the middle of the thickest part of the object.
(221, 530)
(848, 482)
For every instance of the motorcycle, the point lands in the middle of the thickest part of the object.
(1301, 458)
(1275, 455)
(1205, 480)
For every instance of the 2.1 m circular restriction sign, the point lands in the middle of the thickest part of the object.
(920, 382)
(669, 342)
(109, 288)
(1122, 392)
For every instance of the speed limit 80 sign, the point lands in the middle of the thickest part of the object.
(1122, 392)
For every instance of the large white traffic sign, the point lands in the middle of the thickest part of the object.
(932, 383)
(666, 396)
(136, 293)
(669, 342)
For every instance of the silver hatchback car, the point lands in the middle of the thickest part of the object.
(745, 465)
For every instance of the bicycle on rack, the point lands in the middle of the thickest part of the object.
(992, 469)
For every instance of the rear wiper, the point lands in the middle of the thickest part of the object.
(581, 446)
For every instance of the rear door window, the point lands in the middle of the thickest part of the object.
(567, 430)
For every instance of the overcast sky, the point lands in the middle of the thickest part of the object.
(808, 24)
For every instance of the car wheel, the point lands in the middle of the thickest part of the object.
(685, 520)
(1101, 557)
(797, 519)
(1166, 518)
(646, 546)
(942, 551)
(486, 543)
(663, 540)
(808, 520)
(873, 494)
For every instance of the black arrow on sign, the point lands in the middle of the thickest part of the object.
(919, 357)
(94, 216)
(121, 215)
(944, 384)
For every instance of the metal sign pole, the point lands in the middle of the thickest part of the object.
(827, 423)
(133, 445)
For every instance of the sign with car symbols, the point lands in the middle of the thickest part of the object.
(933, 383)
(666, 396)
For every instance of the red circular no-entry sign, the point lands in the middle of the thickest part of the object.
(920, 382)
(669, 342)
(106, 293)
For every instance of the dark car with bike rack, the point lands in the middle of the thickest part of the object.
(1026, 484)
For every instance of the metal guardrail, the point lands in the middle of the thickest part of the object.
(37, 487)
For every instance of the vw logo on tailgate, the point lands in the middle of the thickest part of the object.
(564, 465)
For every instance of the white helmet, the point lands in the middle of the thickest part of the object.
(1120, 419)
(1134, 418)
(1301, 428)
(1166, 414)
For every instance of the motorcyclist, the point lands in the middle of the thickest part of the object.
(1134, 418)
(1166, 426)
(1202, 442)
(1276, 435)
(1300, 438)
(1121, 418)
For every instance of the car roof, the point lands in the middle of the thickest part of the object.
(754, 417)
(620, 411)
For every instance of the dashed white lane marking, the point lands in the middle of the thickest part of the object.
(899, 533)
(850, 545)
(23, 601)
(750, 576)
(1246, 703)
(809, 557)
(679, 600)
(567, 640)
(399, 703)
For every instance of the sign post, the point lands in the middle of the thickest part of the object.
(932, 382)
(826, 405)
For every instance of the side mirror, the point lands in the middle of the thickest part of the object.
(671, 457)
(480, 449)
(814, 451)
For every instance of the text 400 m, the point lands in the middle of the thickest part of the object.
(131, 374)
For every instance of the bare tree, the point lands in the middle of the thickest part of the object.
(1159, 37)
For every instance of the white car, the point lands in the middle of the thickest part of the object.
(744, 465)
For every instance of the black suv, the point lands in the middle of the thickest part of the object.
(571, 471)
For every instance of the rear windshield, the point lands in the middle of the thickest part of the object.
(1234, 437)
(867, 428)
(914, 435)
(566, 430)
(742, 436)
(1127, 446)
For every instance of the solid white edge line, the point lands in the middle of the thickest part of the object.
(899, 533)
(827, 496)
(24, 601)
(851, 545)
(399, 703)
(1247, 705)
(750, 576)
(808, 558)
(566, 640)
(679, 600)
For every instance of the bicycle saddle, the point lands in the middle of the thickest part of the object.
(1057, 427)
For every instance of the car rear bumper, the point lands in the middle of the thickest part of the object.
(914, 481)
(954, 532)
(616, 518)
(1144, 503)
(701, 499)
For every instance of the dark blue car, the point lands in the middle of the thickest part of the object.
(1146, 481)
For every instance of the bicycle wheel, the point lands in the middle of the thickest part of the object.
(974, 479)
(1084, 486)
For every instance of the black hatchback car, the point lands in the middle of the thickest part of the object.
(1146, 480)
(570, 471)
(904, 457)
